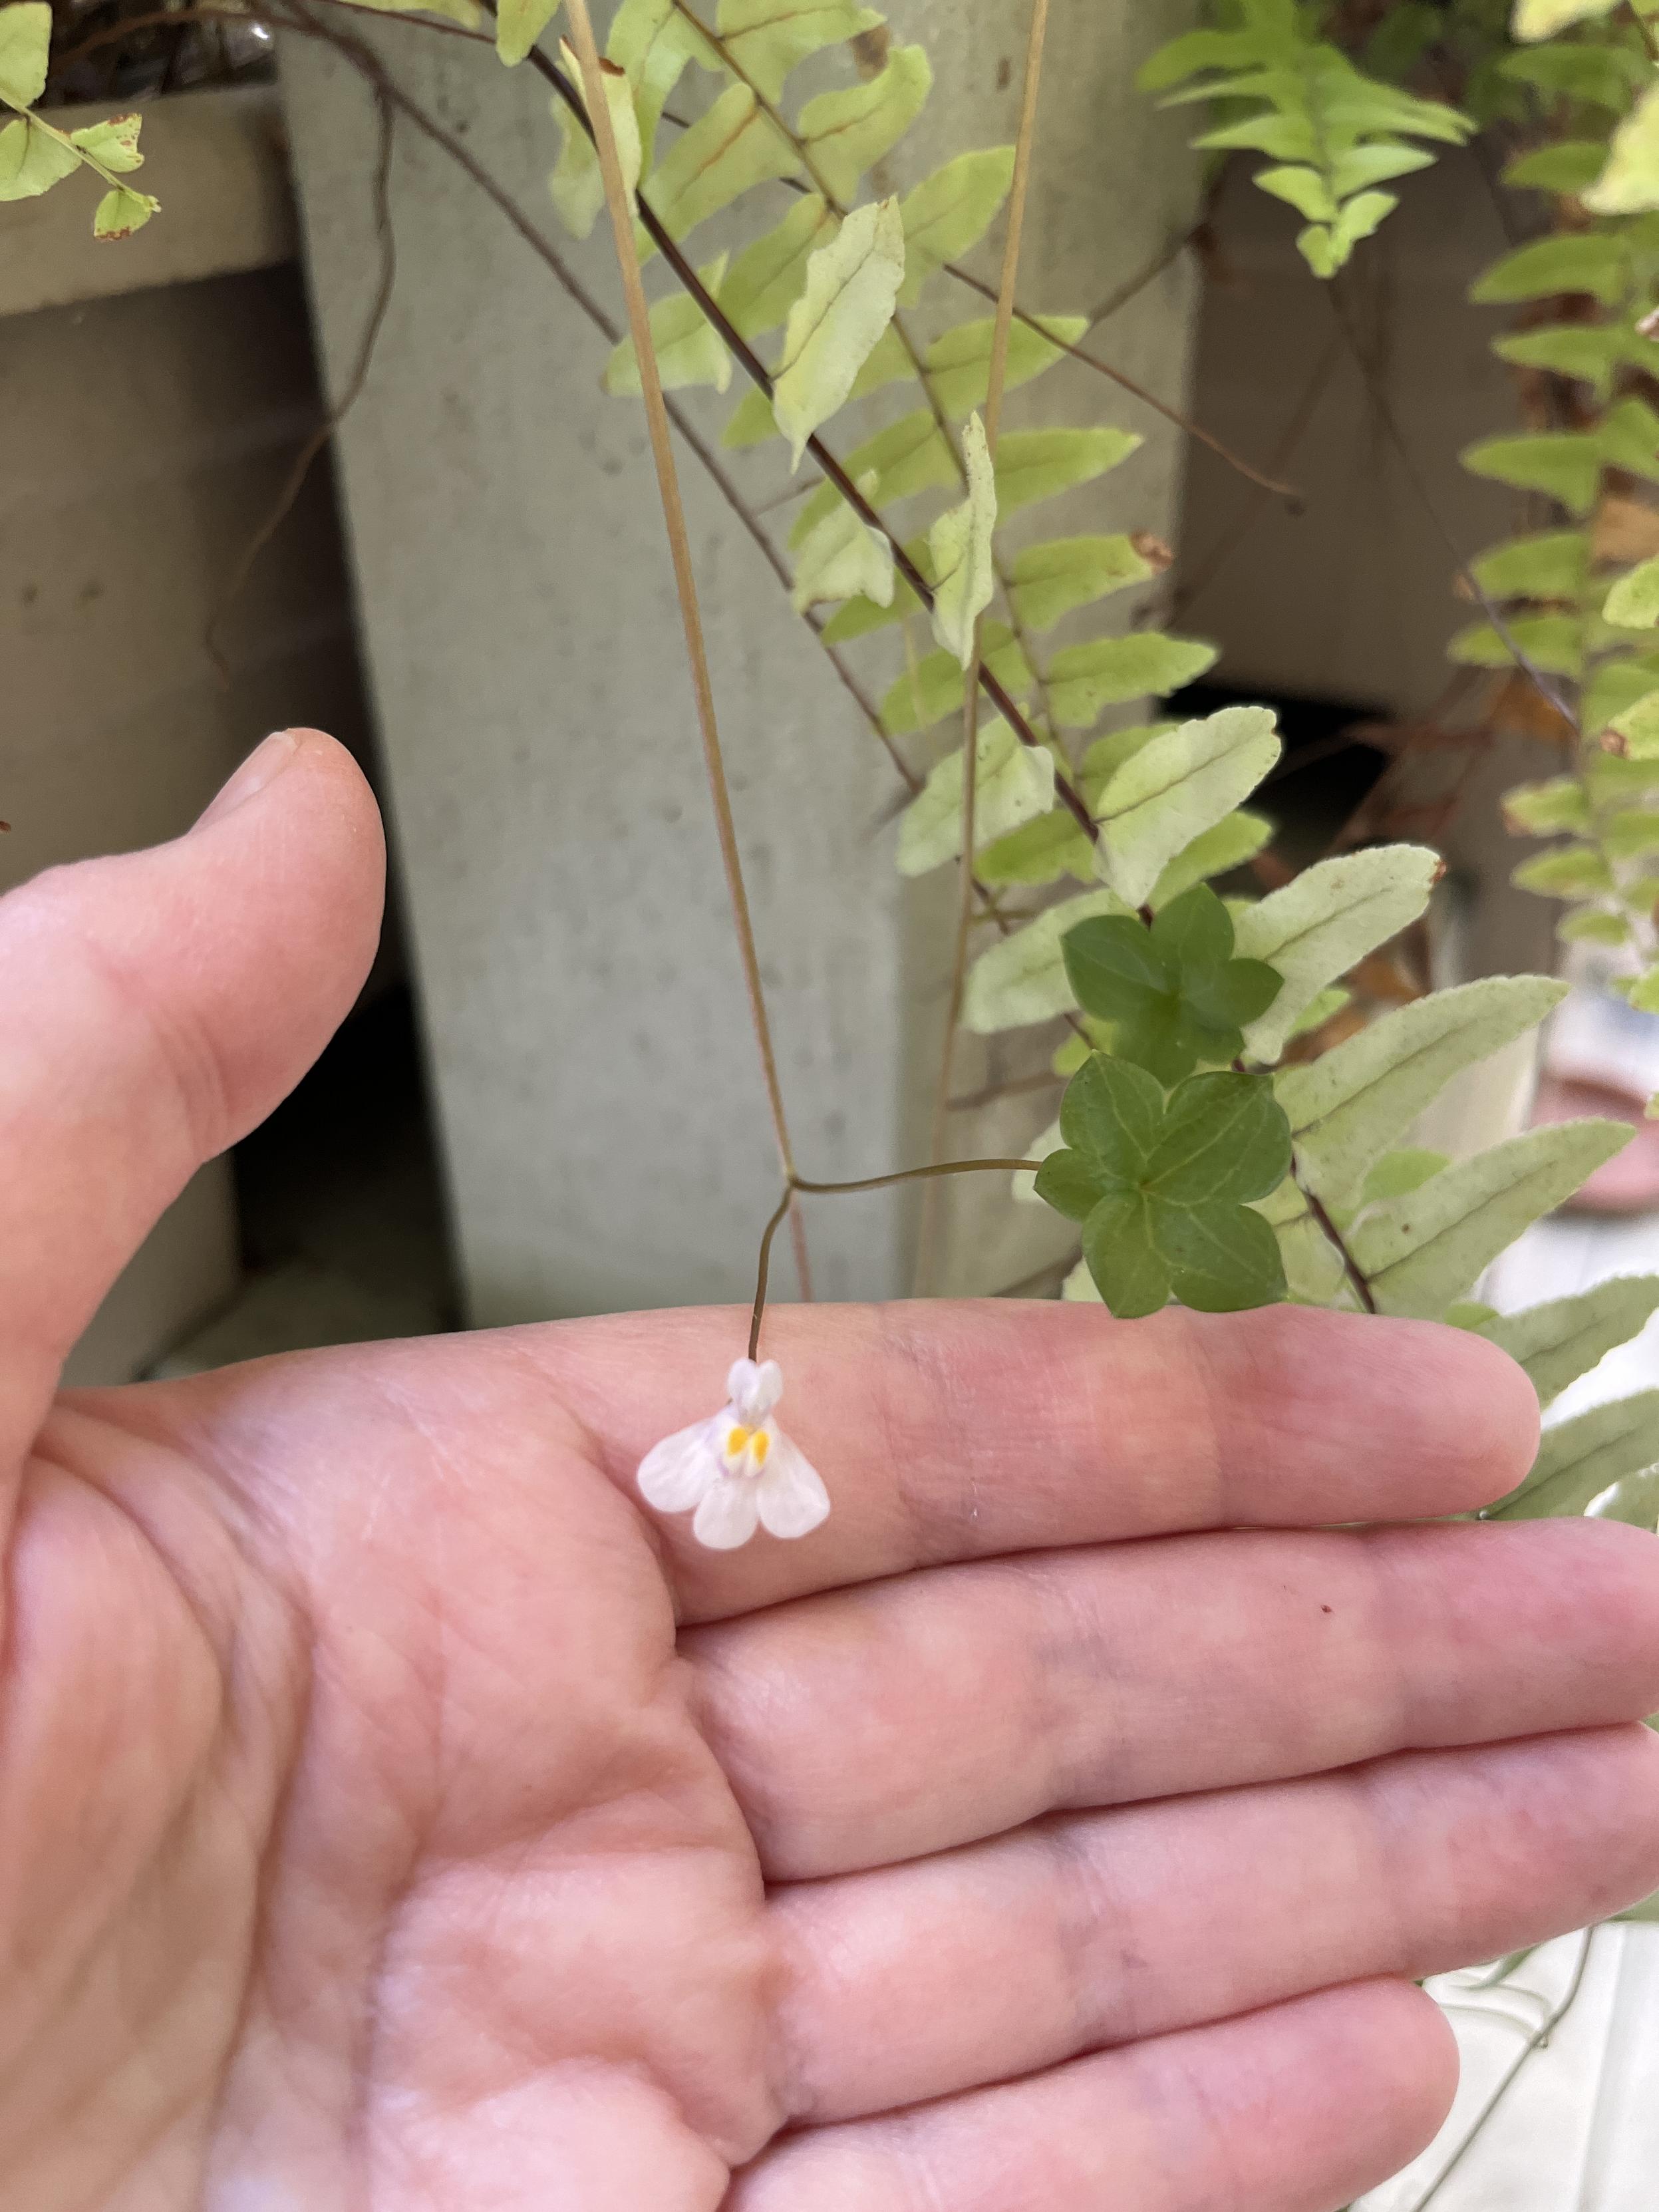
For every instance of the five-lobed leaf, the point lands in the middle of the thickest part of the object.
(1163, 1186)
(1174, 991)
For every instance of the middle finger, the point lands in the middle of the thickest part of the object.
(880, 1723)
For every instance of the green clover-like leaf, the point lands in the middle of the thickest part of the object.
(1173, 991)
(1163, 1187)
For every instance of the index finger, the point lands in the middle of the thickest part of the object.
(957, 1431)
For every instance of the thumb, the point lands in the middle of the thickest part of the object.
(158, 1005)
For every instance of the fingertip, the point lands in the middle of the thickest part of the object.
(1489, 1410)
(1409, 2046)
(292, 866)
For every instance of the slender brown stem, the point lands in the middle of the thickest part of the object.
(1137, 391)
(799, 1184)
(1253, 504)
(1132, 287)
(1002, 331)
(620, 201)
(293, 483)
(1650, 36)
(1350, 1267)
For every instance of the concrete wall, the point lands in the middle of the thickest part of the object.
(602, 1122)
(153, 408)
(1353, 599)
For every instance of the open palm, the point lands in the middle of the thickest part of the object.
(395, 1814)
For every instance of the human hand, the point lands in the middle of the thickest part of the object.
(395, 1814)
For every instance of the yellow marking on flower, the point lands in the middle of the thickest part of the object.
(735, 1441)
(760, 1446)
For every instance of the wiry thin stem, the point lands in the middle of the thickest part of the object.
(620, 202)
(1535, 2042)
(797, 1184)
(1019, 193)
(1350, 1267)
(1136, 391)
(293, 483)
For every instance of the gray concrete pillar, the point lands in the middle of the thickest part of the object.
(603, 1124)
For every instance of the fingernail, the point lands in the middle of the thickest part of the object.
(263, 765)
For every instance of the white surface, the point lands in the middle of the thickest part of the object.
(1579, 2130)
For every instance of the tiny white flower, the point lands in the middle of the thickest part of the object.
(738, 1471)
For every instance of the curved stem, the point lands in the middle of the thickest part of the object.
(1350, 1267)
(1254, 475)
(1534, 2043)
(799, 1184)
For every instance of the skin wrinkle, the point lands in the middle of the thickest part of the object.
(929, 1378)
(1091, 1945)
(183, 1046)
(1082, 1639)
(1386, 1572)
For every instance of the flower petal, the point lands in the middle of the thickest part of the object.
(727, 1515)
(675, 1474)
(792, 1498)
(754, 1390)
